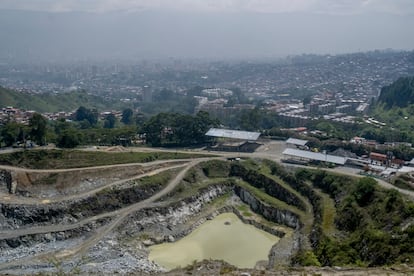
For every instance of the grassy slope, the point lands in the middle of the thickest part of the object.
(53, 103)
(328, 214)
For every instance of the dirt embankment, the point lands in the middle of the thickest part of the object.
(58, 184)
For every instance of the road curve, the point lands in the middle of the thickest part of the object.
(145, 164)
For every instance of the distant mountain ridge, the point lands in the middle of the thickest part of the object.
(53, 102)
(398, 94)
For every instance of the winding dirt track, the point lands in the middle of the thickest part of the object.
(119, 216)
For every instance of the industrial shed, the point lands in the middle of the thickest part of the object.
(296, 143)
(307, 156)
(234, 140)
(233, 134)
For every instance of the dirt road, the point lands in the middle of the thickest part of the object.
(119, 216)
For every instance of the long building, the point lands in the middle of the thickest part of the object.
(307, 156)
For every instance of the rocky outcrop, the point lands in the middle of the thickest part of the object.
(271, 213)
(170, 220)
(17, 216)
(33, 239)
(7, 182)
(271, 186)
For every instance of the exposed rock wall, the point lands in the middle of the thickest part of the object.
(271, 186)
(16, 216)
(7, 182)
(284, 217)
(170, 220)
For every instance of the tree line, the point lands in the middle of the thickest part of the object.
(86, 127)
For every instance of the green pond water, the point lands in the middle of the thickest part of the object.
(238, 243)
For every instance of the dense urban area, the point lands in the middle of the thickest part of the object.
(100, 163)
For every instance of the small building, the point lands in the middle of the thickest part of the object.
(378, 157)
(296, 143)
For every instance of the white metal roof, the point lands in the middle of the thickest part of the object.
(234, 134)
(406, 169)
(298, 142)
(315, 156)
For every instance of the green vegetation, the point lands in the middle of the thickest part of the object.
(270, 186)
(216, 168)
(270, 200)
(157, 179)
(404, 181)
(370, 220)
(400, 93)
(355, 221)
(328, 213)
(173, 129)
(306, 258)
(245, 210)
(48, 102)
(395, 107)
(86, 127)
(37, 125)
(61, 159)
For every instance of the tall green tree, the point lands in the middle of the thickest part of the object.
(13, 132)
(250, 119)
(110, 121)
(127, 116)
(154, 128)
(37, 125)
(69, 138)
(85, 114)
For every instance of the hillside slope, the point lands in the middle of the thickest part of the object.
(54, 102)
(399, 94)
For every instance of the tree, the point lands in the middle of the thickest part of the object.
(153, 129)
(201, 124)
(12, 132)
(37, 126)
(68, 138)
(60, 125)
(85, 114)
(127, 116)
(179, 129)
(140, 119)
(110, 121)
(81, 114)
(365, 190)
(250, 119)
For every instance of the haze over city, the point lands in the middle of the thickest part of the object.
(131, 30)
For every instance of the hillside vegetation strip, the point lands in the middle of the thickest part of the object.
(65, 159)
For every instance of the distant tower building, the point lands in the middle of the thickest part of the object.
(147, 94)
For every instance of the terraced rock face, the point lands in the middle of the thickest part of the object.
(58, 220)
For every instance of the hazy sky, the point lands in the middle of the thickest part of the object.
(267, 6)
(136, 29)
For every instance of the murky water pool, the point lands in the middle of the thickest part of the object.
(225, 237)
